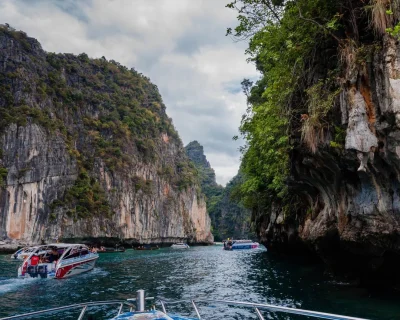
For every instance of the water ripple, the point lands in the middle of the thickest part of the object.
(204, 272)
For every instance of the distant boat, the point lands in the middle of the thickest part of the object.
(110, 250)
(240, 244)
(180, 245)
(146, 247)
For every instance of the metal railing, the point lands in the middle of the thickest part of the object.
(257, 307)
(82, 306)
(140, 306)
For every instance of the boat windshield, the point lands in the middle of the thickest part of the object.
(75, 251)
(64, 251)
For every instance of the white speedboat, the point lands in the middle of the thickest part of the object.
(240, 244)
(180, 245)
(59, 260)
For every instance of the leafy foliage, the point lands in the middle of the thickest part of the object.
(304, 50)
(86, 197)
(187, 175)
(232, 219)
(281, 40)
(3, 176)
(320, 101)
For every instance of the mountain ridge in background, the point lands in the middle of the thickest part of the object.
(229, 218)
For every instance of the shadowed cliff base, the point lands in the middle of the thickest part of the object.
(128, 243)
(354, 263)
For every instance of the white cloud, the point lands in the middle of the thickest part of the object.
(179, 44)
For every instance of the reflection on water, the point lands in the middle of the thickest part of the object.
(208, 272)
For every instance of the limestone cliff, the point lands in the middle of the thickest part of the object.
(322, 162)
(87, 151)
(348, 209)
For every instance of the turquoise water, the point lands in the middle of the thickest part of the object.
(210, 272)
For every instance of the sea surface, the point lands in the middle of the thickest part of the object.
(203, 272)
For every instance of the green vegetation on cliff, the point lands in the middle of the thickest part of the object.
(3, 176)
(319, 156)
(284, 36)
(232, 219)
(306, 51)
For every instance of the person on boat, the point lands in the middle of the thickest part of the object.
(35, 260)
(53, 256)
(229, 244)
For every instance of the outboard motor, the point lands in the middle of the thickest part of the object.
(42, 271)
(32, 271)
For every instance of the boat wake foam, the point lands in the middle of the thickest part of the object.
(96, 272)
(7, 285)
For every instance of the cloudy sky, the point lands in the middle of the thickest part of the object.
(179, 44)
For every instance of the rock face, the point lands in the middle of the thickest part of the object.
(349, 211)
(87, 151)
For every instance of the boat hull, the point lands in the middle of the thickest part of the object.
(61, 271)
(75, 268)
(243, 246)
(252, 246)
(180, 245)
(43, 270)
(111, 250)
